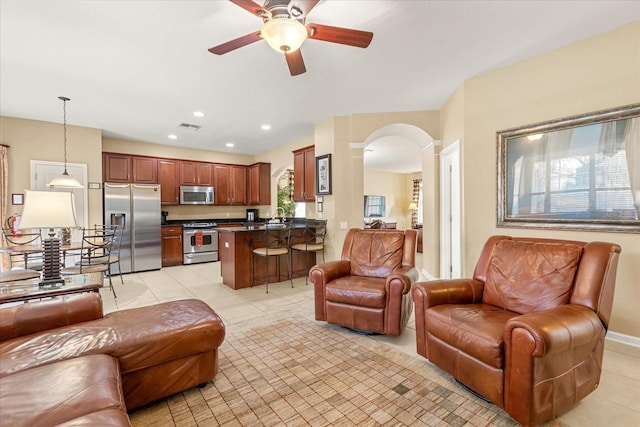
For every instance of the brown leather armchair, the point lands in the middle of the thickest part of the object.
(527, 331)
(368, 289)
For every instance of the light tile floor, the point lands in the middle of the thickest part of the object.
(615, 403)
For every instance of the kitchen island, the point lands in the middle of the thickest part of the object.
(234, 250)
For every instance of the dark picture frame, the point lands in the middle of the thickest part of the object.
(17, 199)
(323, 174)
(575, 173)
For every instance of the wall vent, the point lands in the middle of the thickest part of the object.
(189, 126)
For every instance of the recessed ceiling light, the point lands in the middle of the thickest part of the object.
(230, 144)
(265, 127)
(172, 136)
(198, 113)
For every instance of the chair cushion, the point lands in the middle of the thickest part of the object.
(355, 290)
(270, 251)
(376, 254)
(531, 276)
(475, 329)
(61, 391)
(308, 247)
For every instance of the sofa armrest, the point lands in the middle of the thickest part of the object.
(407, 276)
(546, 353)
(556, 330)
(450, 291)
(436, 292)
(322, 274)
(38, 316)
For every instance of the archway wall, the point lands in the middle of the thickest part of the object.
(344, 137)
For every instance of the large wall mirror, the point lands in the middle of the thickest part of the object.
(580, 173)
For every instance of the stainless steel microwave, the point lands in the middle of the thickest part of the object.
(196, 195)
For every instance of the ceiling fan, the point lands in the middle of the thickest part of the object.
(285, 30)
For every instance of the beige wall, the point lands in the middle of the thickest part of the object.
(599, 73)
(37, 140)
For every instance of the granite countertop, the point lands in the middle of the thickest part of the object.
(258, 227)
(222, 221)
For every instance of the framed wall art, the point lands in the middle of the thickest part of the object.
(580, 173)
(323, 174)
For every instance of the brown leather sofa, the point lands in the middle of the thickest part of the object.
(368, 288)
(63, 363)
(527, 331)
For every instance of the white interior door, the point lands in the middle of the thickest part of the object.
(450, 215)
(42, 172)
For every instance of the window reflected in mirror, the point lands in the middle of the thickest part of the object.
(581, 173)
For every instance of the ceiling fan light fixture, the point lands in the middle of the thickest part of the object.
(284, 34)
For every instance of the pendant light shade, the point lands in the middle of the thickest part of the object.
(64, 180)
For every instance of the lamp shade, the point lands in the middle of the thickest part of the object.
(413, 206)
(284, 34)
(48, 209)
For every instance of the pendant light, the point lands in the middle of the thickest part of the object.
(64, 180)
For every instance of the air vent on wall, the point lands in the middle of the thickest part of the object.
(189, 126)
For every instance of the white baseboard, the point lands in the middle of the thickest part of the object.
(623, 339)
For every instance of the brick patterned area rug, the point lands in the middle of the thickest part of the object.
(297, 372)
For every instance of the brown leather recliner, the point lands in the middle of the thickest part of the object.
(527, 331)
(368, 289)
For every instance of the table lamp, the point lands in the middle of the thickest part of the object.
(49, 209)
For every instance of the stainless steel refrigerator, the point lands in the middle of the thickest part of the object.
(136, 208)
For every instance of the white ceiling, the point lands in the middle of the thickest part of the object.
(137, 69)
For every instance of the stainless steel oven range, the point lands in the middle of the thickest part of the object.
(199, 242)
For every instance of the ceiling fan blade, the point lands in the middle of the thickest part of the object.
(252, 7)
(340, 35)
(301, 8)
(295, 62)
(236, 43)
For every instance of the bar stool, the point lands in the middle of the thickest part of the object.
(315, 231)
(274, 243)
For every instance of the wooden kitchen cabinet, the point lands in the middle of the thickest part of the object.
(127, 169)
(168, 179)
(304, 174)
(196, 173)
(230, 183)
(259, 184)
(145, 170)
(116, 167)
(171, 245)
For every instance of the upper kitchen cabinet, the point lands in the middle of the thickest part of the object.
(126, 168)
(230, 184)
(196, 173)
(116, 167)
(145, 170)
(259, 184)
(168, 178)
(304, 179)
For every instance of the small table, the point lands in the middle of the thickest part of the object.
(25, 290)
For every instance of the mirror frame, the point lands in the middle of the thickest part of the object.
(540, 222)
